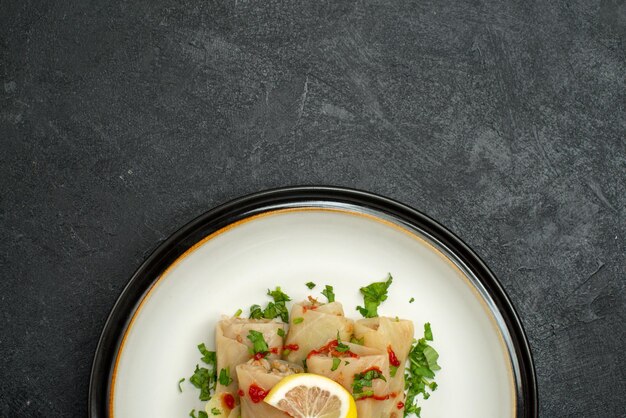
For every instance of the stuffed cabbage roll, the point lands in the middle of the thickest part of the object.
(356, 361)
(394, 337)
(232, 345)
(256, 379)
(311, 325)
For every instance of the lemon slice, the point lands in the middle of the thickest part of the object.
(307, 395)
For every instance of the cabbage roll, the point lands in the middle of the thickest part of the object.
(394, 337)
(232, 345)
(311, 325)
(371, 402)
(256, 379)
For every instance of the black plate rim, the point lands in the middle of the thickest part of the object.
(243, 207)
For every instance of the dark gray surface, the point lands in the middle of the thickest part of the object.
(504, 120)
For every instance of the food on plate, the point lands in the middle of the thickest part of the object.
(350, 365)
(321, 364)
(256, 379)
(234, 337)
(392, 337)
(309, 395)
(311, 325)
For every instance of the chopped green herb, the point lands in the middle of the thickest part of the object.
(373, 296)
(428, 333)
(278, 295)
(304, 365)
(274, 309)
(280, 332)
(256, 312)
(310, 285)
(347, 362)
(393, 370)
(238, 313)
(364, 394)
(203, 380)
(216, 411)
(225, 378)
(180, 389)
(362, 380)
(258, 342)
(329, 293)
(336, 362)
(341, 347)
(201, 414)
(209, 357)
(411, 300)
(421, 371)
(298, 320)
(286, 352)
(359, 341)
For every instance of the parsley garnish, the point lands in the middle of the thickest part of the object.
(239, 312)
(336, 363)
(216, 411)
(298, 320)
(278, 295)
(201, 414)
(209, 357)
(411, 300)
(280, 332)
(362, 380)
(310, 285)
(329, 293)
(373, 296)
(258, 342)
(421, 371)
(256, 312)
(341, 347)
(274, 309)
(202, 379)
(180, 389)
(225, 378)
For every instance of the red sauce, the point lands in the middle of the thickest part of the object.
(259, 356)
(309, 308)
(393, 360)
(331, 348)
(274, 350)
(228, 401)
(240, 393)
(292, 347)
(257, 394)
(400, 405)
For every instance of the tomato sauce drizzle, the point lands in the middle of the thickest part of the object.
(393, 360)
(331, 348)
(291, 347)
(257, 394)
(228, 401)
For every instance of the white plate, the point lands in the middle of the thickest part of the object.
(339, 243)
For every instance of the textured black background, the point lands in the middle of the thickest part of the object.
(121, 121)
